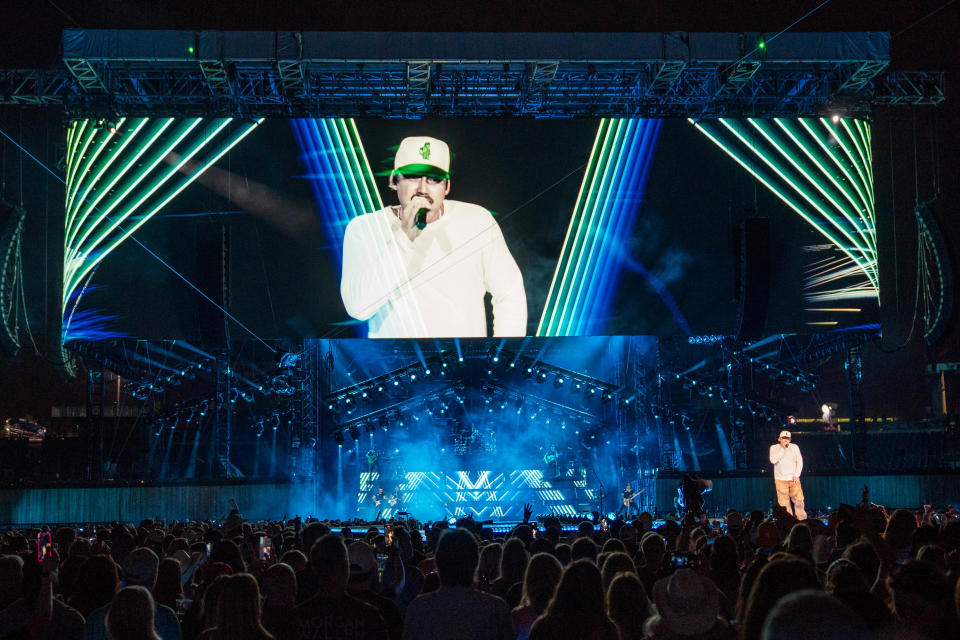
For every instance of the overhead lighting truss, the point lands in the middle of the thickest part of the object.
(315, 74)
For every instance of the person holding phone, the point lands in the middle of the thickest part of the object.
(787, 465)
(421, 269)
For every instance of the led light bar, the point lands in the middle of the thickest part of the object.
(611, 194)
(118, 176)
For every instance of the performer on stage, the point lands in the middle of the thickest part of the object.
(421, 269)
(626, 498)
(552, 459)
(380, 504)
(787, 466)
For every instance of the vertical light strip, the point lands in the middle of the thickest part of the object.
(611, 194)
(548, 318)
(121, 177)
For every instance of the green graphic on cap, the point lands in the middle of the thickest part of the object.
(425, 151)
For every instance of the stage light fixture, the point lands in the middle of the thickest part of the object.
(354, 432)
(528, 372)
(369, 428)
(558, 380)
(541, 376)
(607, 396)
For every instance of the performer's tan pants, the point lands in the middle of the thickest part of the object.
(788, 490)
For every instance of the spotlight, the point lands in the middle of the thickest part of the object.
(338, 437)
(354, 432)
(369, 428)
(541, 377)
(558, 380)
(607, 396)
(528, 372)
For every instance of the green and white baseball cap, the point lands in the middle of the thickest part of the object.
(423, 155)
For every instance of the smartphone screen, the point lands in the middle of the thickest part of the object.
(44, 546)
(265, 549)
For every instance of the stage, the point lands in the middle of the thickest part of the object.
(271, 501)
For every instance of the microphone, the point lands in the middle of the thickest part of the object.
(421, 219)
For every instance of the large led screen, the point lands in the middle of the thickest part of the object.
(219, 229)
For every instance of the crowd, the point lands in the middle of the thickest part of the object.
(862, 574)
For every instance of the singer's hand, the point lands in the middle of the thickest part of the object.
(408, 215)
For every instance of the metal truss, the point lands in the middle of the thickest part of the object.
(392, 89)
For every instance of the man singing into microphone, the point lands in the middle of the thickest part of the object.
(421, 268)
(787, 466)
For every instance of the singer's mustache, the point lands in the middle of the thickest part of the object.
(424, 196)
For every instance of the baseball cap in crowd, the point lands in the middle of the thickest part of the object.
(423, 155)
(363, 561)
(140, 567)
(785, 434)
(687, 602)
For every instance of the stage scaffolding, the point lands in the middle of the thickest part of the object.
(108, 73)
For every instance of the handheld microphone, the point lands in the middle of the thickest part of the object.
(421, 219)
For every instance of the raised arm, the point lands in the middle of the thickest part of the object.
(776, 453)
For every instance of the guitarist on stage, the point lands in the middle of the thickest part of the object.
(628, 505)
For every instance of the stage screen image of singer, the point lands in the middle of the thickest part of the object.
(538, 227)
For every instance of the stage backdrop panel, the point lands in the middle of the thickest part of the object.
(822, 492)
(133, 504)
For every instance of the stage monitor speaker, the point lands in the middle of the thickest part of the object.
(754, 278)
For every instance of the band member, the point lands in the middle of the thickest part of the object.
(552, 459)
(787, 466)
(627, 501)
